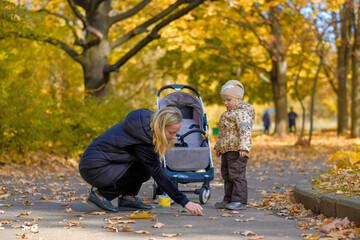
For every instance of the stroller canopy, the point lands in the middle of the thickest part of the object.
(189, 105)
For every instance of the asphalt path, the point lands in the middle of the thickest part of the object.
(52, 206)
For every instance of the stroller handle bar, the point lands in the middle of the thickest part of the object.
(179, 87)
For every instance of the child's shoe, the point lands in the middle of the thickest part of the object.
(236, 206)
(221, 204)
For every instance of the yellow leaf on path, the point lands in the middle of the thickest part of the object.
(142, 232)
(4, 196)
(188, 226)
(213, 218)
(142, 215)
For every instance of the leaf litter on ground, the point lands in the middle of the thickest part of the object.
(269, 152)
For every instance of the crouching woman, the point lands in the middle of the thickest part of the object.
(126, 155)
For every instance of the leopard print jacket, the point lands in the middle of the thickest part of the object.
(235, 129)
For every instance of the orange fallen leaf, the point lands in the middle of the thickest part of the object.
(74, 223)
(112, 228)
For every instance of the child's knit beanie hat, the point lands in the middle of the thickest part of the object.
(233, 88)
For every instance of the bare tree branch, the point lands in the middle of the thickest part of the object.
(84, 21)
(128, 13)
(66, 20)
(154, 33)
(72, 53)
(143, 27)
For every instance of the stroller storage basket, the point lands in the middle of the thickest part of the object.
(187, 159)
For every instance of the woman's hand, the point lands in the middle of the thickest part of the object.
(194, 208)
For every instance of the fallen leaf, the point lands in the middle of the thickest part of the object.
(126, 228)
(158, 225)
(247, 233)
(23, 214)
(142, 215)
(74, 223)
(188, 226)
(227, 215)
(256, 237)
(114, 229)
(4, 196)
(121, 221)
(142, 232)
(96, 213)
(213, 218)
(310, 236)
(170, 235)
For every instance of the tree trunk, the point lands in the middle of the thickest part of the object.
(278, 80)
(313, 97)
(278, 74)
(343, 62)
(95, 60)
(355, 99)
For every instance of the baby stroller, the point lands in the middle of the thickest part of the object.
(191, 160)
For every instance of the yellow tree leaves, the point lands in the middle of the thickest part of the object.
(346, 158)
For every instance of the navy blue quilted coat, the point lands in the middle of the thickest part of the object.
(108, 157)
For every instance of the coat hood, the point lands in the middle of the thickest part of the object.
(137, 125)
(249, 108)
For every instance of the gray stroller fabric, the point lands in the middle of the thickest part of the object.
(197, 155)
(187, 159)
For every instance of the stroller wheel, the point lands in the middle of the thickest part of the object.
(204, 195)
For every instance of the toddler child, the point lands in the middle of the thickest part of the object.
(234, 145)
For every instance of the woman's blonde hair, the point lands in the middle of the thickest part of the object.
(160, 119)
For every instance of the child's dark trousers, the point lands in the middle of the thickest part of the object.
(233, 171)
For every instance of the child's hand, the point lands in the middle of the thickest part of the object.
(243, 153)
(218, 154)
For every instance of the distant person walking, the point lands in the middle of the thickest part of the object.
(292, 118)
(267, 121)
